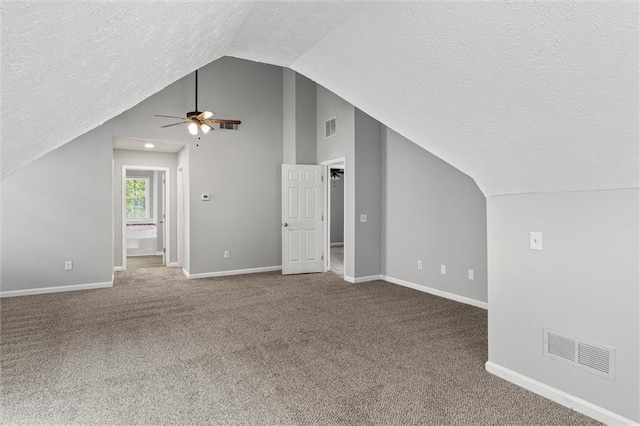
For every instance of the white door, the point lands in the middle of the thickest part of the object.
(302, 209)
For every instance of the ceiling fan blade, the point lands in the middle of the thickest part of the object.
(175, 124)
(222, 121)
(169, 116)
(205, 115)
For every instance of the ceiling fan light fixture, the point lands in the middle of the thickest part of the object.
(207, 114)
(205, 128)
(193, 129)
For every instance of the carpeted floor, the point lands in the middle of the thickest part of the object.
(256, 350)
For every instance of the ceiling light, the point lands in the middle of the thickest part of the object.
(148, 145)
(193, 129)
(205, 128)
(207, 114)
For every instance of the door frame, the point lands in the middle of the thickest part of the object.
(166, 201)
(327, 210)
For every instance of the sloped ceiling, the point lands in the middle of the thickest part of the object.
(523, 97)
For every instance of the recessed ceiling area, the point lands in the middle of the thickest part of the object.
(522, 97)
(147, 145)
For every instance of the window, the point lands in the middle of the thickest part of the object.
(137, 197)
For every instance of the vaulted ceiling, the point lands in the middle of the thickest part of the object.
(523, 97)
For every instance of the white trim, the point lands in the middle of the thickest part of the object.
(59, 289)
(173, 265)
(118, 269)
(436, 292)
(337, 244)
(556, 395)
(363, 279)
(234, 272)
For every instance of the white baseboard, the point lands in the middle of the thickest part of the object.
(556, 395)
(118, 268)
(363, 279)
(59, 289)
(336, 244)
(436, 292)
(233, 272)
(173, 265)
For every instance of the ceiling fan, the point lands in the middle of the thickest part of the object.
(200, 120)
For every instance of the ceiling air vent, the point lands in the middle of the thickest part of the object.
(595, 358)
(330, 128)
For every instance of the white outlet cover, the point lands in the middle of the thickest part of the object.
(535, 240)
(443, 269)
(419, 264)
(471, 274)
(363, 218)
(205, 197)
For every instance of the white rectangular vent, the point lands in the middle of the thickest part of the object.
(592, 357)
(330, 128)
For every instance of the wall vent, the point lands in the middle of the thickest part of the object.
(595, 358)
(228, 126)
(330, 128)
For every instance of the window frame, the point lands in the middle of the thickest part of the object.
(147, 203)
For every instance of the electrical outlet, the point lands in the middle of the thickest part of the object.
(470, 274)
(419, 264)
(226, 254)
(363, 218)
(443, 269)
(68, 265)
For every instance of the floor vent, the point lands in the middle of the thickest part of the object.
(330, 128)
(592, 357)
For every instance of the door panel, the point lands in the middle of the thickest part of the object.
(302, 204)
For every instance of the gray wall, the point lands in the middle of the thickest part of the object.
(434, 213)
(337, 211)
(306, 150)
(368, 194)
(584, 282)
(55, 209)
(239, 169)
(299, 118)
(123, 157)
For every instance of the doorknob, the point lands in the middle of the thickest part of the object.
(286, 224)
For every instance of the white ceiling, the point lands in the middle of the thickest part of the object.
(523, 97)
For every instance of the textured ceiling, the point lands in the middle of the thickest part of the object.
(523, 97)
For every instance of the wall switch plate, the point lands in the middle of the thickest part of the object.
(419, 264)
(470, 274)
(68, 265)
(443, 269)
(363, 218)
(205, 197)
(535, 240)
(226, 254)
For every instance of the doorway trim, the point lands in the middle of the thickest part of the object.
(327, 210)
(167, 207)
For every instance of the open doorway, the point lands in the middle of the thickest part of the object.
(145, 216)
(335, 213)
(335, 220)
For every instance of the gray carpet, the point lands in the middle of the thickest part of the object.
(257, 350)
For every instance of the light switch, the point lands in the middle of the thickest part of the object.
(443, 269)
(535, 240)
(470, 274)
(363, 218)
